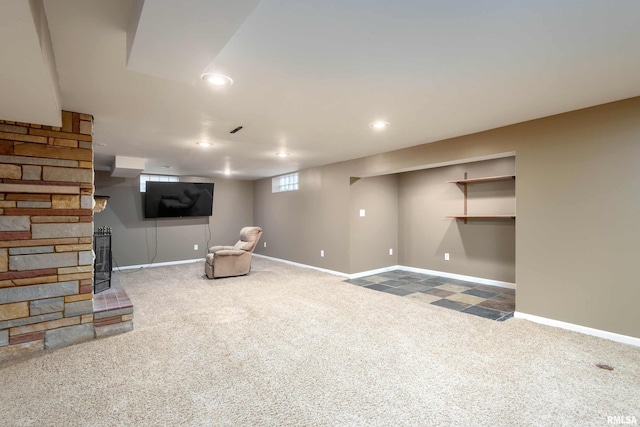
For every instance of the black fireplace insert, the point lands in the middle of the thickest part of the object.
(102, 262)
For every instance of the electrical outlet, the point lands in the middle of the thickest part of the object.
(361, 212)
(265, 244)
(321, 253)
(195, 247)
(390, 251)
(446, 256)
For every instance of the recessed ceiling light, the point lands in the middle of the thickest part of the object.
(204, 144)
(379, 125)
(227, 172)
(217, 79)
(282, 154)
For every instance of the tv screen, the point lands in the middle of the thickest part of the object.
(178, 199)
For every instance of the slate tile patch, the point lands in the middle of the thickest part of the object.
(487, 313)
(398, 291)
(490, 302)
(480, 293)
(453, 305)
(359, 282)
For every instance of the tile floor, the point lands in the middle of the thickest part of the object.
(491, 302)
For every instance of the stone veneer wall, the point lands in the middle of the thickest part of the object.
(46, 229)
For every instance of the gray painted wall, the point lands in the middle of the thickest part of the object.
(404, 212)
(134, 237)
(480, 248)
(373, 235)
(578, 201)
(578, 204)
(299, 224)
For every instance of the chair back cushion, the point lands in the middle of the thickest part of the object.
(249, 237)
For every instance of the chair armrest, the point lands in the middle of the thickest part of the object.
(228, 252)
(213, 249)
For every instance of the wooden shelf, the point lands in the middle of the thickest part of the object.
(483, 179)
(464, 182)
(482, 216)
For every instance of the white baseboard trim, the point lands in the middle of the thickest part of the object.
(157, 264)
(339, 273)
(625, 339)
(489, 282)
(297, 264)
(398, 267)
(372, 272)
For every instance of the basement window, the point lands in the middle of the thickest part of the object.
(159, 178)
(282, 183)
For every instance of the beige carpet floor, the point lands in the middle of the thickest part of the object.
(287, 346)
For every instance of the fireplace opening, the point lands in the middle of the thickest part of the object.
(102, 262)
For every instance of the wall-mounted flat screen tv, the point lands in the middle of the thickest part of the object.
(178, 199)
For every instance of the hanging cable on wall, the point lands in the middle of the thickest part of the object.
(208, 235)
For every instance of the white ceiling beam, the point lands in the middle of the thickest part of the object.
(28, 79)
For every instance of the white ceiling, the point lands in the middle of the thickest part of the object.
(29, 90)
(309, 76)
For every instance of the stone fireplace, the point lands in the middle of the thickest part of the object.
(46, 229)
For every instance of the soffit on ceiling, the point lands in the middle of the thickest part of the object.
(178, 41)
(310, 76)
(28, 80)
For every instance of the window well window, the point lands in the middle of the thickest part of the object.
(287, 182)
(160, 178)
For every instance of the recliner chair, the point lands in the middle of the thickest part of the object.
(227, 261)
